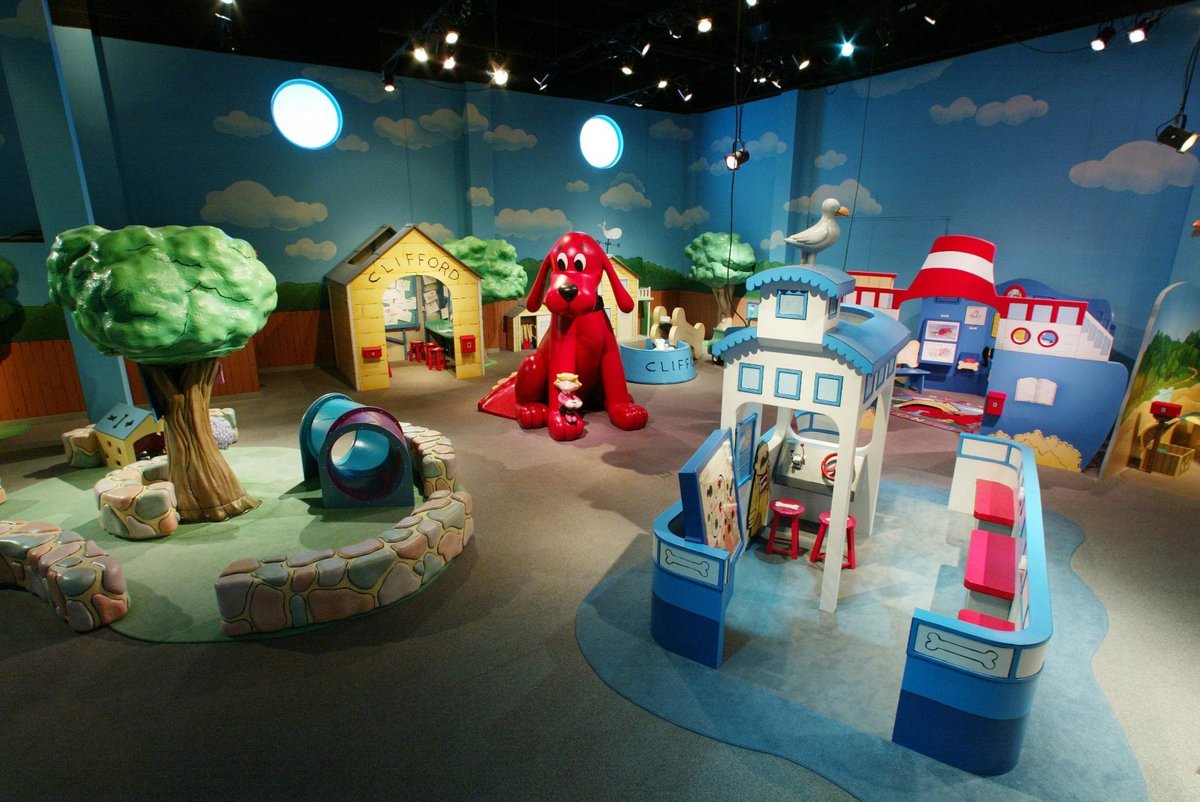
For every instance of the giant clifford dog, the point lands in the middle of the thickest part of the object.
(580, 342)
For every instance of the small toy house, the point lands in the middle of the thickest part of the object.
(127, 431)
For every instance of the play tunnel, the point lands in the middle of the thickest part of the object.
(358, 453)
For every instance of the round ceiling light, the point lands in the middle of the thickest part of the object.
(601, 141)
(306, 114)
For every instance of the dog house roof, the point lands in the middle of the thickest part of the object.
(863, 339)
(121, 420)
(828, 282)
(375, 246)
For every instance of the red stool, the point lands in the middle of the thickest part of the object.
(435, 357)
(790, 511)
(817, 553)
(416, 351)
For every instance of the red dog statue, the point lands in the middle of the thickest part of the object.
(580, 342)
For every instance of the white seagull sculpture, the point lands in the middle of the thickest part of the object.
(821, 234)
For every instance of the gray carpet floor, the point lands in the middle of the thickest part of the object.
(476, 688)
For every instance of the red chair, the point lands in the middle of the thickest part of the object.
(435, 357)
(416, 351)
(817, 554)
(789, 511)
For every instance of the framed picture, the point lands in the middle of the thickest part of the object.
(708, 492)
(975, 315)
(941, 353)
(941, 331)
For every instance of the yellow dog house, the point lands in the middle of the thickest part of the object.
(356, 296)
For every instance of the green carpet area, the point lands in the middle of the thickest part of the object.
(171, 579)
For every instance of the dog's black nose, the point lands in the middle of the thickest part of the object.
(568, 291)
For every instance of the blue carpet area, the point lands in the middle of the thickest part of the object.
(821, 690)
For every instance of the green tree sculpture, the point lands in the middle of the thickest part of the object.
(496, 263)
(174, 300)
(721, 263)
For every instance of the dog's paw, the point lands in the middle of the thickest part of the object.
(628, 416)
(562, 429)
(531, 416)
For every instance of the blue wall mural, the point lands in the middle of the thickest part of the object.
(1044, 148)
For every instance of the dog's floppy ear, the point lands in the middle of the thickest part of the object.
(534, 301)
(624, 301)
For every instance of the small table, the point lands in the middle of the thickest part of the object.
(916, 378)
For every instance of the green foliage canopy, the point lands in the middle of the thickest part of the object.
(719, 261)
(161, 296)
(496, 262)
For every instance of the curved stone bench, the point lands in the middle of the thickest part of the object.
(433, 451)
(137, 502)
(84, 585)
(82, 447)
(273, 593)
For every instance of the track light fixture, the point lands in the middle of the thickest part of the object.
(1175, 134)
(685, 93)
(1142, 28)
(449, 62)
(389, 82)
(627, 68)
(542, 82)
(704, 24)
(498, 74)
(847, 49)
(663, 83)
(1103, 37)
(737, 157)
(801, 61)
(643, 48)
(451, 37)
(421, 54)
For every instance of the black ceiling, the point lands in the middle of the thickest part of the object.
(582, 44)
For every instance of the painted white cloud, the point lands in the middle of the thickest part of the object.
(436, 231)
(578, 186)
(1142, 166)
(773, 241)
(960, 109)
(830, 159)
(453, 125)
(480, 196)
(844, 192)
(27, 23)
(698, 166)
(363, 85)
(1014, 111)
(624, 197)
(405, 133)
(504, 137)
(669, 129)
(896, 82)
(239, 123)
(305, 248)
(769, 144)
(537, 224)
(250, 204)
(673, 218)
(353, 142)
(628, 178)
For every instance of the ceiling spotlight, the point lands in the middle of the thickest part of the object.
(542, 82)
(775, 82)
(637, 103)
(421, 54)
(847, 49)
(449, 62)
(737, 157)
(704, 24)
(685, 93)
(643, 49)
(801, 61)
(932, 20)
(662, 83)
(751, 3)
(226, 2)
(451, 37)
(627, 68)
(1142, 28)
(1103, 37)
(499, 75)
(1175, 135)
(389, 83)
